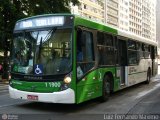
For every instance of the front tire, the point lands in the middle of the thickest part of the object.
(105, 89)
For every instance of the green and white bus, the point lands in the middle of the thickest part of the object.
(64, 58)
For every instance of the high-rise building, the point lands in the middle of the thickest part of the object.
(124, 15)
(111, 12)
(149, 19)
(135, 16)
(158, 23)
(92, 9)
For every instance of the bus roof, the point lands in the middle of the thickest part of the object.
(46, 15)
(82, 21)
(136, 37)
(113, 30)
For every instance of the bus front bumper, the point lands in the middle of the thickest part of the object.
(66, 96)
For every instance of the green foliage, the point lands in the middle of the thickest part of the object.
(13, 10)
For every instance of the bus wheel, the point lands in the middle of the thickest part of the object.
(105, 89)
(148, 76)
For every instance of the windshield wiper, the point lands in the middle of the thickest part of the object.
(48, 36)
(51, 32)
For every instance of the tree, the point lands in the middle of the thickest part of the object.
(13, 10)
(35, 7)
(7, 21)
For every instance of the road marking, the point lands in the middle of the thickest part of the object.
(3, 85)
(3, 91)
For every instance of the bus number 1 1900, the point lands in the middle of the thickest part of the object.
(52, 84)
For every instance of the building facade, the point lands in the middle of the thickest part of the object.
(112, 12)
(124, 15)
(158, 23)
(92, 9)
(135, 16)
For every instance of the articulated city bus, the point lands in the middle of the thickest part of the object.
(63, 58)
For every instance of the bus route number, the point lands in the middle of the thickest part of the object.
(52, 84)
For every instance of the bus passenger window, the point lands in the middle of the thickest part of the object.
(85, 52)
(132, 53)
(105, 49)
(80, 45)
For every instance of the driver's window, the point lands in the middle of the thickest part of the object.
(85, 52)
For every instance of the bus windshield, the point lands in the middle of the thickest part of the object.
(42, 52)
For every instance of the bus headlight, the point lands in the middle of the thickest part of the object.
(67, 80)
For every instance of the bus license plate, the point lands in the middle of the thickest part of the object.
(32, 97)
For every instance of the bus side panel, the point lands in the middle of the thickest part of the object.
(91, 85)
(138, 73)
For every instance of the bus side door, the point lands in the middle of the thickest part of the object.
(122, 59)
